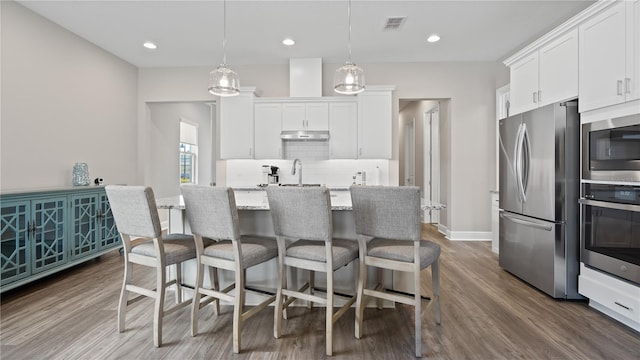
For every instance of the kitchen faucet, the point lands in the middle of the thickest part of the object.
(293, 170)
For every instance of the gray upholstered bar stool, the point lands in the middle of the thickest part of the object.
(388, 226)
(212, 213)
(136, 216)
(303, 215)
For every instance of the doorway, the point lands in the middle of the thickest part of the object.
(420, 150)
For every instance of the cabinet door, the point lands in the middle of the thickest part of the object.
(317, 116)
(293, 116)
(14, 241)
(343, 122)
(107, 230)
(84, 224)
(374, 125)
(236, 127)
(524, 84)
(632, 79)
(602, 59)
(48, 247)
(558, 64)
(268, 120)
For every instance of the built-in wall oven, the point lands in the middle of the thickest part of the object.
(610, 229)
(611, 149)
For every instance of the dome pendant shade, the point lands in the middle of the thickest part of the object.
(224, 82)
(349, 79)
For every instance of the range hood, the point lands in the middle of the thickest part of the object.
(302, 135)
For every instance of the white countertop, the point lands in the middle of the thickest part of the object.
(254, 199)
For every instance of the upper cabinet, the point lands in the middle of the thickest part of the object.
(544, 75)
(305, 116)
(268, 120)
(343, 129)
(236, 125)
(375, 123)
(609, 56)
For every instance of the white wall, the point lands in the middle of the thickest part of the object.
(164, 140)
(64, 100)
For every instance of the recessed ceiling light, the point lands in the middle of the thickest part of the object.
(288, 42)
(150, 45)
(433, 38)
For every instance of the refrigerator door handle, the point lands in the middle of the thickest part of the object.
(518, 162)
(526, 222)
(526, 167)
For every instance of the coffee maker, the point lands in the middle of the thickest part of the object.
(270, 175)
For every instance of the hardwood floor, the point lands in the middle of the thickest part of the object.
(486, 314)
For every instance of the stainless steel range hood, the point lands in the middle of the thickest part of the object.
(299, 135)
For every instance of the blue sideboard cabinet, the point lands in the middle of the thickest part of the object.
(44, 231)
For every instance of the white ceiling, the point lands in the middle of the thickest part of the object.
(189, 33)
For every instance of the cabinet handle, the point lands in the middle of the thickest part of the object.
(626, 307)
(539, 95)
(535, 97)
(250, 152)
(360, 152)
(619, 87)
(627, 85)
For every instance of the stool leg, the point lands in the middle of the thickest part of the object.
(312, 280)
(213, 278)
(362, 279)
(238, 307)
(435, 280)
(329, 313)
(379, 301)
(161, 284)
(124, 294)
(277, 313)
(195, 302)
(178, 283)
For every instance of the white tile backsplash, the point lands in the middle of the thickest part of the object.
(332, 173)
(306, 150)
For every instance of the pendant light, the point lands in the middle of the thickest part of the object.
(349, 78)
(223, 81)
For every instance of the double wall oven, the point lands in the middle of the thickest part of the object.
(610, 201)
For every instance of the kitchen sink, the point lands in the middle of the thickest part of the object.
(304, 185)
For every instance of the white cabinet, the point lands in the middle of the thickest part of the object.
(343, 129)
(545, 75)
(267, 123)
(495, 221)
(616, 298)
(305, 116)
(609, 56)
(375, 123)
(236, 126)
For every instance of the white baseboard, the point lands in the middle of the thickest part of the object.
(465, 235)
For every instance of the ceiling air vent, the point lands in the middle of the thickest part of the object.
(394, 23)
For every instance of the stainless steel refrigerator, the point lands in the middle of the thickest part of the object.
(539, 188)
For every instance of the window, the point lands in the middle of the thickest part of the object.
(187, 163)
(188, 153)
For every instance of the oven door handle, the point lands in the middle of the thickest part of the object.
(609, 205)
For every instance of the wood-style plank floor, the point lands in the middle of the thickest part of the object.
(486, 314)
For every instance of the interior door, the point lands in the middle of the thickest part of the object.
(509, 192)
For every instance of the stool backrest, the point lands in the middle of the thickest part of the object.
(390, 212)
(211, 211)
(134, 210)
(301, 212)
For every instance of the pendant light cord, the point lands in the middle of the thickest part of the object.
(224, 32)
(349, 38)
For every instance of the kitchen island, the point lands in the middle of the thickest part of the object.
(255, 218)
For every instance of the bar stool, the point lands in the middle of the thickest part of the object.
(303, 215)
(388, 228)
(136, 216)
(212, 213)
